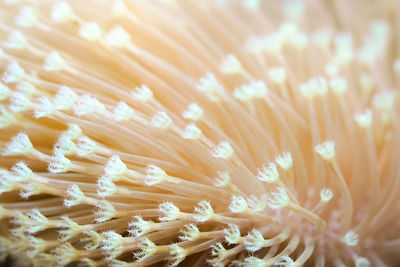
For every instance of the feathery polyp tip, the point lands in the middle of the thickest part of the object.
(254, 240)
(176, 255)
(59, 163)
(218, 252)
(92, 240)
(87, 104)
(64, 145)
(62, 12)
(315, 86)
(91, 31)
(26, 88)
(111, 245)
(75, 196)
(142, 93)
(19, 102)
(115, 168)
(230, 64)
(326, 150)
(22, 172)
(154, 175)
(223, 150)
(65, 98)
(16, 40)
(85, 146)
(117, 37)
(123, 112)
(364, 119)
(105, 187)
(285, 160)
(238, 204)
(362, 262)
(191, 132)
(104, 212)
(27, 17)
(37, 221)
(168, 212)
(190, 232)
(5, 92)
(277, 75)
(257, 204)
(210, 86)
(203, 211)
(384, 100)
(73, 132)
(146, 249)
(13, 73)
(268, 174)
(279, 199)
(69, 228)
(223, 179)
(193, 112)
(139, 227)
(44, 107)
(254, 261)
(161, 120)
(338, 85)
(232, 234)
(64, 254)
(350, 238)
(54, 62)
(118, 9)
(326, 194)
(19, 145)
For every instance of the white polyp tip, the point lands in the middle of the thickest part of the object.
(351, 238)
(13, 73)
(30, 189)
(223, 179)
(251, 4)
(193, 112)
(326, 150)
(5, 92)
(62, 12)
(64, 254)
(203, 212)
(91, 31)
(64, 145)
(176, 255)
(54, 62)
(168, 212)
(246, 92)
(123, 112)
(37, 221)
(146, 249)
(232, 234)
(85, 146)
(191, 132)
(117, 37)
(254, 240)
(315, 86)
(19, 145)
(59, 163)
(69, 228)
(210, 86)
(92, 240)
(326, 194)
(16, 40)
(6, 118)
(65, 98)
(362, 262)
(104, 212)
(111, 245)
(383, 100)
(139, 227)
(223, 150)
(27, 17)
(142, 93)
(254, 261)
(75, 196)
(331, 69)
(19, 102)
(87, 104)
(219, 253)
(22, 172)
(44, 107)
(115, 168)
(190, 232)
(230, 64)
(279, 199)
(26, 88)
(73, 132)
(284, 161)
(277, 75)
(364, 119)
(154, 175)
(238, 204)
(338, 85)
(105, 187)
(257, 204)
(119, 9)
(268, 173)
(161, 120)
